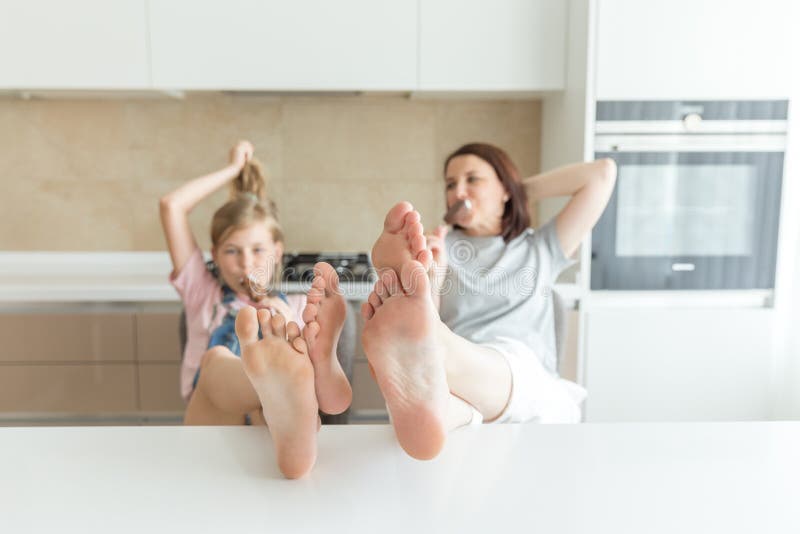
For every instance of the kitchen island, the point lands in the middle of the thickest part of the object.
(692, 477)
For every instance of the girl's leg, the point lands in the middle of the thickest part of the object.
(223, 394)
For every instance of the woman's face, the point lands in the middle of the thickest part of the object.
(470, 177)
(246, 251)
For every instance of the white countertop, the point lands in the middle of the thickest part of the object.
(78, 277)
(694, 477)
(27, 277)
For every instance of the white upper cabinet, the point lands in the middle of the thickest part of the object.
(694, 49)
(505, 45)
(80, 44)
(284, 45)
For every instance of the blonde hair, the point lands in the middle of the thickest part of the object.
(248, 204)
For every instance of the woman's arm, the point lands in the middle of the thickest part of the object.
(175, 206)
(589, 184)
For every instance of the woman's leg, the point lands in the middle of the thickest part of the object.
(477, 374)
(469, 367)
(224, 394)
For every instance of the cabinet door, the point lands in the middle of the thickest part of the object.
(694, 49)
(279, 45)
(81, 44)
(506, 45)
(678, 365)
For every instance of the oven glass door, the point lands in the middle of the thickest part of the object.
(689, 220)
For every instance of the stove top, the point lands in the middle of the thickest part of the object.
(351, 267)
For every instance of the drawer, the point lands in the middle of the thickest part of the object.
(77, 388)
(159, 389)
(67, 337)
(157, 338)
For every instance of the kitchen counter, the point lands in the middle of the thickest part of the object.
(711, 477)
(75, 277)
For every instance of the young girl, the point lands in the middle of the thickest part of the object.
(285, 375)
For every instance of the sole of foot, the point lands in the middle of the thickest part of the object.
(324, 315)
(401, 344)
(281, 372)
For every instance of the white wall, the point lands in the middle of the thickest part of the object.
(786, 377)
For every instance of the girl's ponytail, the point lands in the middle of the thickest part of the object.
(251, 181)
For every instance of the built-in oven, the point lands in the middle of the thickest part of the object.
(697, 199)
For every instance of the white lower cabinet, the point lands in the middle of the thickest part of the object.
(678, 365)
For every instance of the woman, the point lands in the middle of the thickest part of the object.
(489, 352)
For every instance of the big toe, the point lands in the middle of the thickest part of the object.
(329, 274)
(395, 219)
(247, 326)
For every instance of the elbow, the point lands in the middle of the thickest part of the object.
(166, 205)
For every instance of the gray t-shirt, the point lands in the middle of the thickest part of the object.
(492, 289)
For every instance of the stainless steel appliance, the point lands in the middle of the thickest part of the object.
(697, 200)
(355, 267)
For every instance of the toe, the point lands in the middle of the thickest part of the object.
(425, 257)
(417, 244)
(292, 330)
(328, 274)
(374, 300)
(299, 344)
(247, 326)
(278, 324)
(310, 312)
(391, 283)
(414, 279)
(317, 290)
(411, 218)
(380, 291)
(414, 229)
(310, 332)
(264, 318)
(396, 217)
(367, 311)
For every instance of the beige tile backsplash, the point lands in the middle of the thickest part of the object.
(87, 175)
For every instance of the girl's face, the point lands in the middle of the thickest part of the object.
(470, 177)
(246, 251)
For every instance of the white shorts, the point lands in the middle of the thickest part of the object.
(536, 395)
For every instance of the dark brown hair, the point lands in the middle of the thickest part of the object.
(515, 218)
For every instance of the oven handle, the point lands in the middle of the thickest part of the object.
(690, 143)
(687, 126)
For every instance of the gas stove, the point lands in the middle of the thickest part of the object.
(351, 267)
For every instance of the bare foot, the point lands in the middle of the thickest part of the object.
(402, 239)
(402, 346)
(324, 316)
(280, 370)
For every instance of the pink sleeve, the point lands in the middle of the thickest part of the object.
(193, 282)
(297, 301)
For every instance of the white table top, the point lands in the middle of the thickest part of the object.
(721, 477)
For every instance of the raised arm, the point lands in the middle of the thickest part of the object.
(589, 184)
(175, 206)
